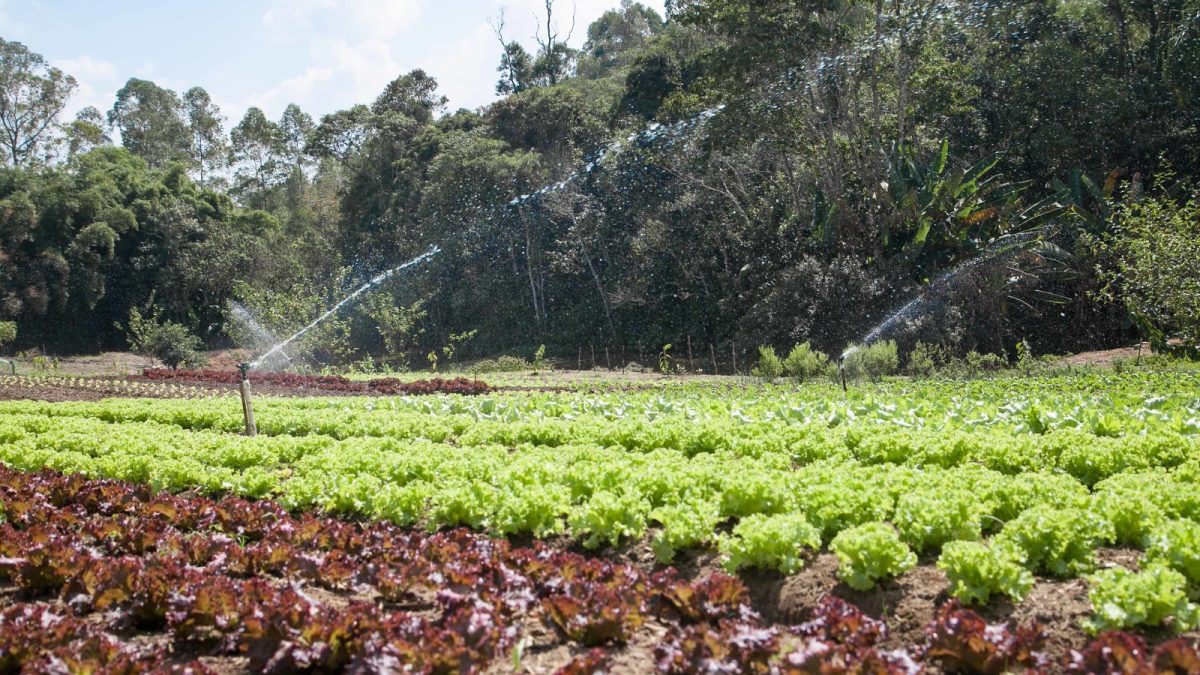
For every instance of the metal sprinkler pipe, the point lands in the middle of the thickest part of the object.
(247, 406)
(842, 372)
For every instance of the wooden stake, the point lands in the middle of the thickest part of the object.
(593, 357)
(579, 359)
(733, 350)
(712, 352)
(248, 409)
(607, 359)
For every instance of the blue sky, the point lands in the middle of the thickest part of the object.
(322, 54)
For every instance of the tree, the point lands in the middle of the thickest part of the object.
(516, 65)
(86, 133)
(555, 59)
(32, 94)
(617, 36)
(295, 126)
(151, 123)
(257, 154)
(413, 95)
(205, 122)
(341, 134)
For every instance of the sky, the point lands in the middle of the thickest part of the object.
(324, 55)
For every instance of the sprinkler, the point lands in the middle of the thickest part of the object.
(247, 406)
(842, 371)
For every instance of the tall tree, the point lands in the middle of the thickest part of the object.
(341, 134)
(87, 132)
(516, 65)
(256, 151)
(296, 127)
(32, 94)
(616, 37)
(555, 59)
(150, 119)
(206, 124)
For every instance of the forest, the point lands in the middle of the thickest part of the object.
(734, 173)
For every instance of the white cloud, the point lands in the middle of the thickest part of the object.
(296, 19)
(98, 82)
(466, 68)
(298, 89)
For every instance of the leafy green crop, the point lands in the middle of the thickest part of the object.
(1153, 597)
(870, 552)
(1176, 545)
(976, 571)
(1059, 542)
(769, 542)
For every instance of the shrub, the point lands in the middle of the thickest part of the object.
(769, 366)
(502, 364)
(976, 571)
(870, 552)
(874, 361)
(769, 542)
(924, 359)
(169, 342)
(805, 363)
(8, 332)
(1155, 267)
(1153, 597)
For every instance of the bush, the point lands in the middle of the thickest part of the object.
(8, 332)
(169, 342)
(502, 364)
(805, 363)
(1155, 267)
(870, 552)
(924, 359)
(769, 366)
(874, 361)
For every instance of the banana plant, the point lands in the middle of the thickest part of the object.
(944, 208)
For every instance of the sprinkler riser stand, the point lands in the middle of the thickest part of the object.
(247, 404)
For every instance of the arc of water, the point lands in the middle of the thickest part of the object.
(1000, 246)
(375, 281)
(642, 138)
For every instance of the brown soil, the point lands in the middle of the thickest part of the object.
(1105, 357)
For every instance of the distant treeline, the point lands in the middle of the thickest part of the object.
(862, 150)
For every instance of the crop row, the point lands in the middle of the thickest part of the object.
(992, 530)
(134, 388)
(379, 386)
(729, 419)
(161, 575)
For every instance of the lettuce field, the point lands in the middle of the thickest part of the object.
(1047, 523)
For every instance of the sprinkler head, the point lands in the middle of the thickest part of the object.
(244, 370)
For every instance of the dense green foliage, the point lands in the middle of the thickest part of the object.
(1156, 268)
(862, 151)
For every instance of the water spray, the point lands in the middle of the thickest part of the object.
(247, 406)
(13, 365)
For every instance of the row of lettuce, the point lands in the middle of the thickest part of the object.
(111, 577)
(990, 519)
